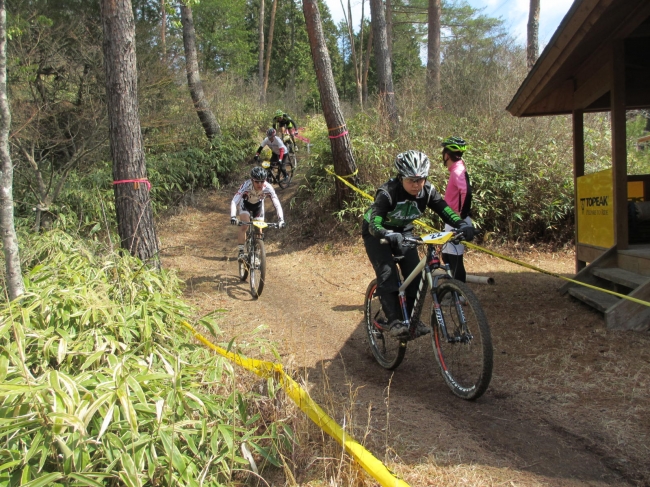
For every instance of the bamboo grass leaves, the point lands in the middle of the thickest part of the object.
(98, 383)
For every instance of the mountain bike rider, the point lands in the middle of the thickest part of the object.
(397, 203)
(249, 201)
(279, 150)
(284, 123)
(459, 197)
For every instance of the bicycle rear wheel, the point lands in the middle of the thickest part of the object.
(389, 352)
(465, 357)
(282, 181)
(257, 268)
(243, 266)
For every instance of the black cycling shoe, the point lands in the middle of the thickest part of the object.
(422, 329)
(397, 328)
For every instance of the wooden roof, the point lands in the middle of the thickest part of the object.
(575, 70)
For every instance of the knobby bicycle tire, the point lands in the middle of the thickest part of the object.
(293, 159)
(466, 358)
(257, 268)
(388, 351)
(243, 266)
(282, 181)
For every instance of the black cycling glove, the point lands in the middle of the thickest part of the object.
(395, 240)
(467, 230)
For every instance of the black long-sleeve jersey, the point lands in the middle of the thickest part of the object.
(394, 209)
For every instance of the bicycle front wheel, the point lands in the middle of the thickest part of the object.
(243, 265)
(293, 159)
(465, 354)
(282, 181)
(389, 352)
(257, 268)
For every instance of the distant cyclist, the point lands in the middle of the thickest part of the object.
(397, 203)
(249, 202)
(284, 123)
(459, 197)
(279, 150)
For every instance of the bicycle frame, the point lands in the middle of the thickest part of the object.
(252, 235)
(431, 261)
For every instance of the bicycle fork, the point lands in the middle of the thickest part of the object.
(464, 336)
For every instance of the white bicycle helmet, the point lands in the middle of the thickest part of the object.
(412, 164)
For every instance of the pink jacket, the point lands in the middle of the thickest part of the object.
(457, 186)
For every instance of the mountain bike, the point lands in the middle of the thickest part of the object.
(460, 336)
(291, 151)
(274, 174)
(254, 262)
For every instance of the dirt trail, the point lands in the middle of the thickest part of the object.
(568, 403)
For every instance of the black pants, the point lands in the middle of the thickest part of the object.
(456, 266)
(275, 160)
(381, 258)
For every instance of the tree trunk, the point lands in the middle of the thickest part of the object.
(163, 30)
(135, 223)
(207, 118)
(533, 34)
(292, 78)
(383, 61)
(13, 273)
(269, 47)
(339, 138)
(260, 58)
(389, 28)
(433, 54)
(366, 68)
(360, 71)
(353, 51)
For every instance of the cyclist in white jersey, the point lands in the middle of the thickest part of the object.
(277, 147)
(249, 202)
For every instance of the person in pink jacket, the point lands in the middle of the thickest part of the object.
(458, 196)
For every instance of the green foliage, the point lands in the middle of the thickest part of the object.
(100, 385)
(225, 39)
(522, 193)
(173, 174)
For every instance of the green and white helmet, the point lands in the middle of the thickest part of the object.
(454, 144)
(412, 164)
(278, 113)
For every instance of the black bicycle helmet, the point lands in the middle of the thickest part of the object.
(270, 132)
(454, 144)
(412, 164)
(258, 174)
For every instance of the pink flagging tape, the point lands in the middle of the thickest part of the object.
(136, 182)
(339, 135)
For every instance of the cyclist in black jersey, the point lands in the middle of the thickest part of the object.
(284, 123)
(397, 203)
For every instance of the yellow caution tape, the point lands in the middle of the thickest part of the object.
(375, 468)
(509, 259)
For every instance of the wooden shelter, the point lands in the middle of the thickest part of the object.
(599, 60)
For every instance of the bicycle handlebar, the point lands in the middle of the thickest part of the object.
(414, 241)
(268, 225)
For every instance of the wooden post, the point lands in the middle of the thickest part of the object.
(619, 151)
(578, 170)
